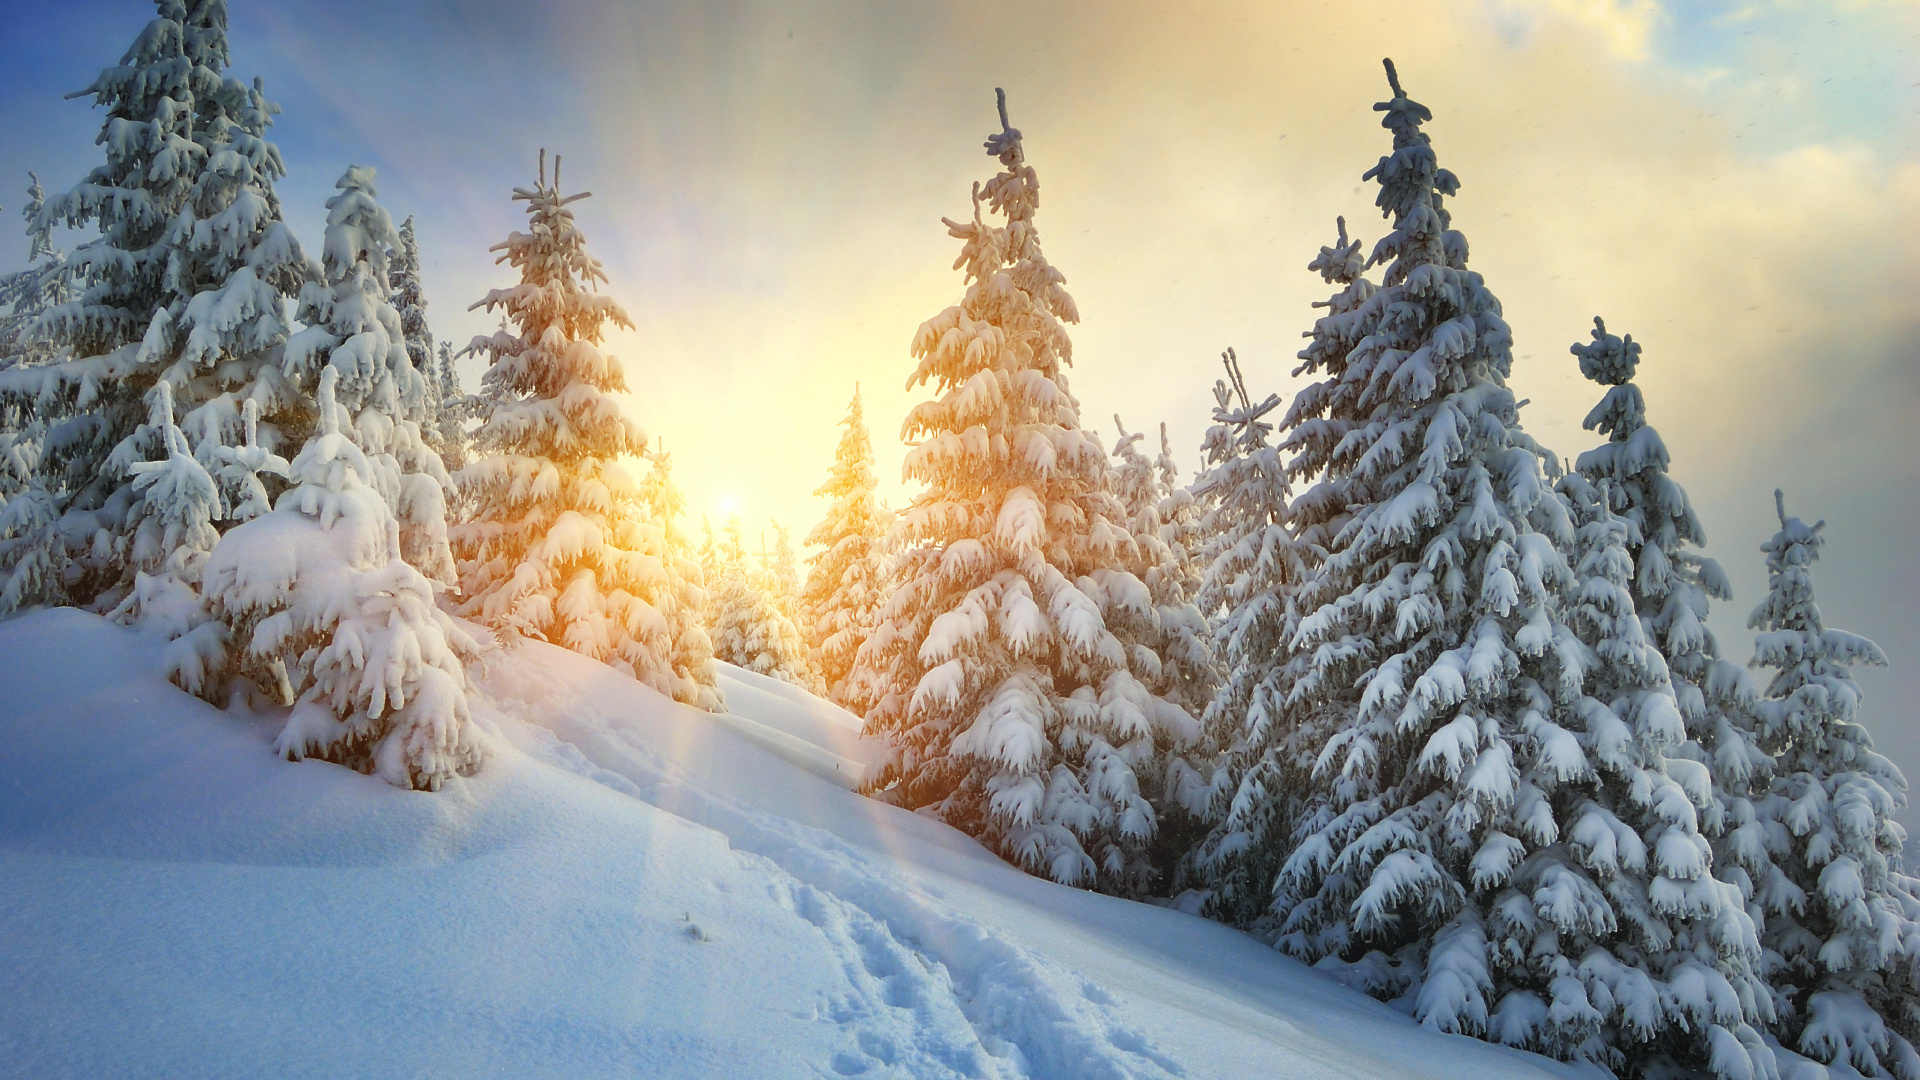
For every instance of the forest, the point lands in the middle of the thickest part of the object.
(1387, 683)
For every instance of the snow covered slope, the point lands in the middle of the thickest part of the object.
(630, 888)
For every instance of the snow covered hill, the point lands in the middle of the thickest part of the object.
(629, 888)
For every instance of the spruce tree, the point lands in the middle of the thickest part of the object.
(684, 598)
(557, 544)
(1458, 846)
(1252, 568)
(451, 413)
(353, 328)
(326, 614)
(410, 302)
(186, 283)
(749, 628)
(1843, 928)
(26, 295)
(1014, 649)
(847, 578)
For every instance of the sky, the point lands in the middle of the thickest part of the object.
(1735, 185)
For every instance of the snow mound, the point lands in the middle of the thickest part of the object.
(630, 887)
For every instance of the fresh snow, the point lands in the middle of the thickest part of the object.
(628, 887)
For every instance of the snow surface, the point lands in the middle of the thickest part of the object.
(630, 887)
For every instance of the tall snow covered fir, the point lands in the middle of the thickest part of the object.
(1252, 567)
(329, 618)
(1494, 833)
(558, 544)
(352, 327)
(847, 579)
(410, 301)
(1840, 920)
(1016, 701)
(186, 283)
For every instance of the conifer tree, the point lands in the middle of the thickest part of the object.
(173, 529)
(1460, 838)
(1252, 569)
(352, 327)
(328, 615)
(781, 573)
(684, 598)
(749, 629)
(847, 579)
(558, 545)
(25, 295)
(186, 283)
(243, 492)
(1013, 650)
(451, 413)
(1672, 585)
(1843, 928)
(1180, 517)
(410, 302)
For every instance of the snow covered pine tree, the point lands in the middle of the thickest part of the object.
(1841, 928)
(847, 580)
(329, 616)
(1460, 851)
(410, 301)
(750, 630)
(692, 657)
(186, 283)
(25, 295)
(559, 545)
(352, 327)
(1252, 568)
(1017, 705)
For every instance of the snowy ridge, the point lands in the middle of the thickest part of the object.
(629, 887)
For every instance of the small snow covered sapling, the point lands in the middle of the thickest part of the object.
(173, 539)
(241, 468)
(319, 599)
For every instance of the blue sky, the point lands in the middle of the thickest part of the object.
(1738, 185)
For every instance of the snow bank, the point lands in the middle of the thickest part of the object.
(630, 887)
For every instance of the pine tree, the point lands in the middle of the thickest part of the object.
(1453, 845)
(749, 628)
(780, 573)
(185, 284)
(317, 596)
(847, 579)
(1180, 517)
(558, 545)
(1672, 585)
(1628, 899)
(452, 413)
(410, 302)
(242, 491)
(352, 327)
(25, 295)
(1017, 706)
(684, 598)
(1252, 569)
(173, 531)
(1842, 927)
